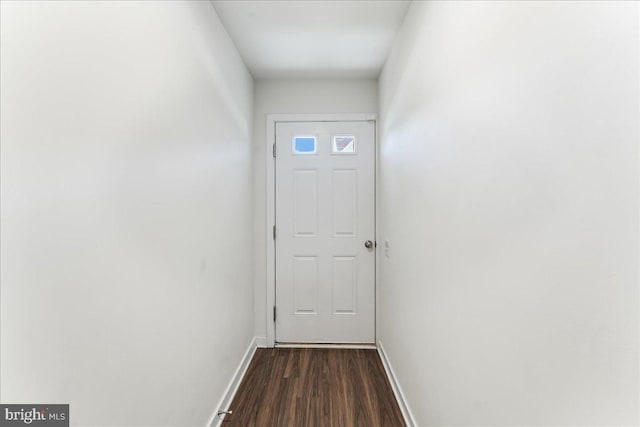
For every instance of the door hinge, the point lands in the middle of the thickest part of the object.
(274, 232)
(274, 151)
(274, 314)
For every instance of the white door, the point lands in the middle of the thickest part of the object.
(325, 225)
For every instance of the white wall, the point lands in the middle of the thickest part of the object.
(126, 209)
(299, 97)
(509, 196)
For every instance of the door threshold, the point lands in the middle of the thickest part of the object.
(353, 346)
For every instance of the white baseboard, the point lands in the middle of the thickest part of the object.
(397, 390)
(332, 346)
(261, 342)
(232, 388)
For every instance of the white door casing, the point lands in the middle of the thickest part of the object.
(324, 214)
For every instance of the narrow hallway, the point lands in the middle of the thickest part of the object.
(315, 387)
(190, 188)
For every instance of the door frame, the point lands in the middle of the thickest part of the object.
(270, 182)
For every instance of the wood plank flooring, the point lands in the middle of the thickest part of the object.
(315, 387)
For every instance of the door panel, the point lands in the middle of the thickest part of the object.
(345, 202)
(305, 203)
(325, 201)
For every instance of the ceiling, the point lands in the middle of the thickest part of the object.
(311, 38)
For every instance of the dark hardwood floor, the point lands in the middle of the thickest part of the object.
(315, 387)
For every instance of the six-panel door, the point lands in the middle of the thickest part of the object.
(325, 207)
